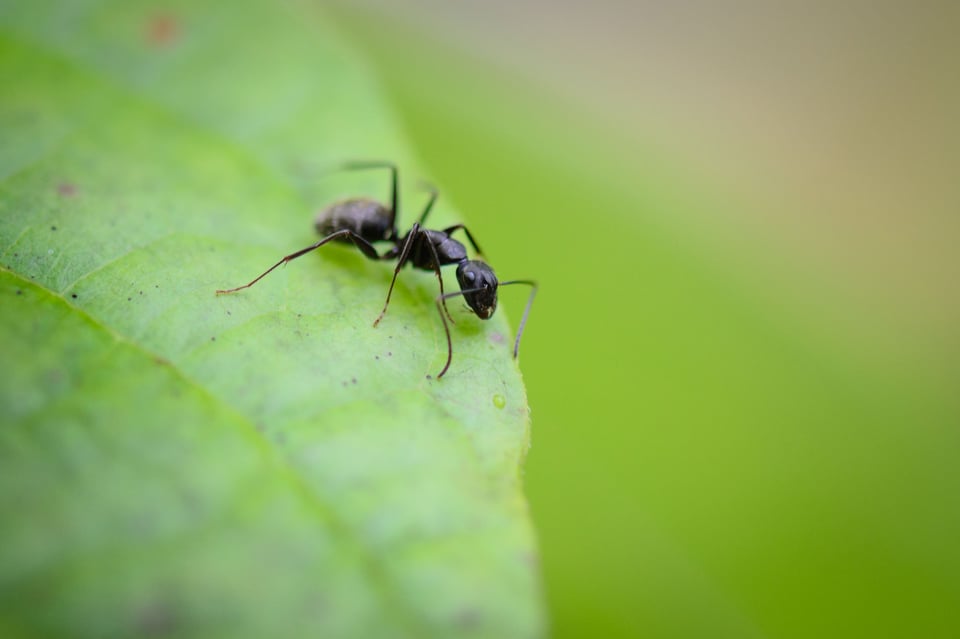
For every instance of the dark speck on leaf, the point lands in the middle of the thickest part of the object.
(19, 292)
(141, 292)
(389, 354)
(353, 380)
(469, 618)
(66, 189)
(376, 357)
(53, 228)
(129, 299)
(213, 339)
(73, 295)
(156, 620)
(429, 376)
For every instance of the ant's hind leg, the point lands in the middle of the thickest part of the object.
(365, 247)
(394, 190)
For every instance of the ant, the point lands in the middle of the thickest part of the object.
(364, 221)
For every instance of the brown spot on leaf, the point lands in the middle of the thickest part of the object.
(162, 30)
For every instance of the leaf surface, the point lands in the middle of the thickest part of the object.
(259, 464)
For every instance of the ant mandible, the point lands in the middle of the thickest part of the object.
(364, 221)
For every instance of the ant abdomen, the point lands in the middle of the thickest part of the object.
(368, 218)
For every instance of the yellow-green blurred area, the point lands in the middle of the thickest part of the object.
(743, 362)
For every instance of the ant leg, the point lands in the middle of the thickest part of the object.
(441, 299)
(394, 191)
(441, 306)
(436, 269)
(404, 255)
(526, 311)
(360, 243)
(473, 242)
(426, 210)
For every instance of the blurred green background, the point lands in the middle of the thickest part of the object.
(742, 366)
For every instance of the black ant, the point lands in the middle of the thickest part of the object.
(364, 221)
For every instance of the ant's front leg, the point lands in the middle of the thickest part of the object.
(450, 229)
(436, 269)
(441, 307)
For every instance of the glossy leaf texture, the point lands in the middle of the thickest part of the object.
(174, 463)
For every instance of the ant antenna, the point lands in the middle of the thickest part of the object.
(441, 302)
(526, 310)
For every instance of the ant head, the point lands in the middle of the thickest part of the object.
(477, 277)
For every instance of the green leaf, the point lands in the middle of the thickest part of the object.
(260, 464)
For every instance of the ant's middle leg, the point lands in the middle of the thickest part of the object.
(365, 247)
(430, 202)
(408, 242)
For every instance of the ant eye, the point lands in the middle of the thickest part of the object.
(470, 275)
